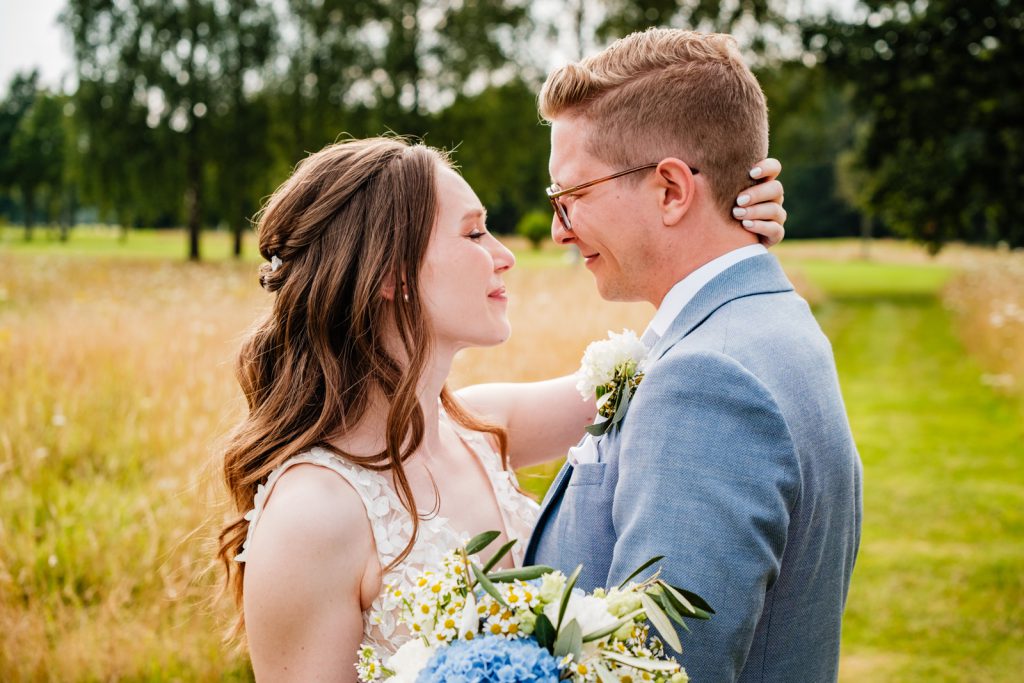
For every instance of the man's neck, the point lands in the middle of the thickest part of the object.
(703, 248)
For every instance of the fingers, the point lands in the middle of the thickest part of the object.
(765, 211)
(769, 232)
(766, 168)
(770, 191)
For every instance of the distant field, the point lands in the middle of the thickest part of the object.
(116, 364)
(150, 244)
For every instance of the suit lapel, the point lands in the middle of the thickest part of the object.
(756, 275)
(554, 493)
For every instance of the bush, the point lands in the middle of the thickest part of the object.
(535, 226)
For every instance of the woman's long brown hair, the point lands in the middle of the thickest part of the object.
(353, 219)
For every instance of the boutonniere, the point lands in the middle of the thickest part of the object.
(610, 371)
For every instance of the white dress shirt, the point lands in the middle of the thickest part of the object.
(671, 306)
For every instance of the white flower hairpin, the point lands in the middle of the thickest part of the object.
(275, 263)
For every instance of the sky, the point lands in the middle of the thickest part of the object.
(31, 37)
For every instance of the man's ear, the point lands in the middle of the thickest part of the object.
(678, 190)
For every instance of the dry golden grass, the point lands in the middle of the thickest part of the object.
(119, 384)
(988, 302)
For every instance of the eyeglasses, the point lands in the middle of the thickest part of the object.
(554, 192)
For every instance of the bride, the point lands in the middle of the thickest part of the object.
(356, 466)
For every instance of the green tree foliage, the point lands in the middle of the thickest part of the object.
(502, 148)
(535, 226)
(751, 17)
(160, 82)
(35, 156)
(811, 124)
(939, 87)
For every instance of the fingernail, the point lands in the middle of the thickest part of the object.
(738, 212)
(756, 172)
(748, 224)
(743, 199)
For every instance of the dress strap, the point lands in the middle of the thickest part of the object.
(389, 520)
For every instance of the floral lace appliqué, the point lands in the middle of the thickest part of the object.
(392, 528)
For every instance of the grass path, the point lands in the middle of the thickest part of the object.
(938, 592)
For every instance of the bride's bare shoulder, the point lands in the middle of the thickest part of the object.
(303, 575)
(312, 509)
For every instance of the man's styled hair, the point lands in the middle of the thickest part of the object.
(668, 92)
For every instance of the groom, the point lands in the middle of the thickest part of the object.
(735, 459)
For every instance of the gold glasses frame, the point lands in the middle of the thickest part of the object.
(554, 192)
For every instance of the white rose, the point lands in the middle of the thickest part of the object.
(601, 358)
(589, 612)
(409, 660)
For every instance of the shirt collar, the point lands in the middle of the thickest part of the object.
(684, 290)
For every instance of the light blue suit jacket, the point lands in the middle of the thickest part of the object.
(735, 461)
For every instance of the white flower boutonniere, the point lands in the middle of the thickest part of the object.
(610, 371)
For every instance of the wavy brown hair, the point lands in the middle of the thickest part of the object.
(352, 220)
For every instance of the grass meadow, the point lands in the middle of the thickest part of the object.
(116, 368)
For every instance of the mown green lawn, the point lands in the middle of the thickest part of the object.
(938, 592)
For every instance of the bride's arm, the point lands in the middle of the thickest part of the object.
(303, 616)
(543, 419)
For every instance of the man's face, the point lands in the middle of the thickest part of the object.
(608, 219)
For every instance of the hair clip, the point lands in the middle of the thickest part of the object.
(275, 263)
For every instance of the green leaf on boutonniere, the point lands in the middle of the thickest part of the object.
(599, 428)
(623, 397)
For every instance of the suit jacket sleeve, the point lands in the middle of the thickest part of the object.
(708, 478)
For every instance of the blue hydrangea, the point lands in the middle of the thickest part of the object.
(491, 659)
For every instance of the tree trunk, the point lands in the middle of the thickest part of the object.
(29, 200)
(866, 225)
(237, 228)
(194, 190)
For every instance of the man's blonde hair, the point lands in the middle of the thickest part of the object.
(668, 92)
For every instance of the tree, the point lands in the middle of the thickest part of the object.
(939, 87)
(242, 160)
(811, 123)
(502, 148)
(535, 227)
(751, 20)
(21, 95)
(161, 74)
(36, 156)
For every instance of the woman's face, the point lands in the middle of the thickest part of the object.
(461, 279)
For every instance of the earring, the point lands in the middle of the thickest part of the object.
(405, 295)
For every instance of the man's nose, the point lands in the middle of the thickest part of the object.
(559, 234)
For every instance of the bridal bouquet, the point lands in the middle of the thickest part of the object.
(530, 624)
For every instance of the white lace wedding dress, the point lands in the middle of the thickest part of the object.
(392, 527)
